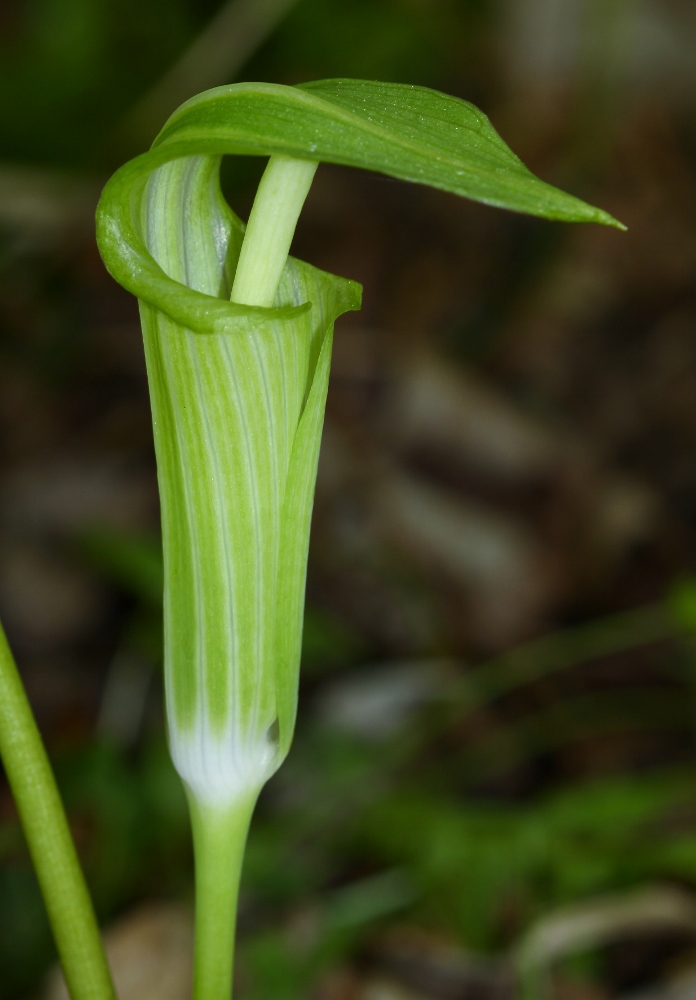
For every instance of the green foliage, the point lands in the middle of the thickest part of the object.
(479, 866)
(681, 602)
(485, 872)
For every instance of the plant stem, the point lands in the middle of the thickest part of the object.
(271, 227)
(219, 839)
(50, 844)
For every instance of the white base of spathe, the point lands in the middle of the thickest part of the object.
(220, 769)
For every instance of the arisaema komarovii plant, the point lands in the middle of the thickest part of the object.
(238, 344)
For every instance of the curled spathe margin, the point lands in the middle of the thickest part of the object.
(124, 251)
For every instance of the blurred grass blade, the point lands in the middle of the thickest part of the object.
(231, 37)
(596, 923)
(130, 561)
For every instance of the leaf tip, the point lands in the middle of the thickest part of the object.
(605, 219)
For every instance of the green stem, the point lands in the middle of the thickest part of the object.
(271, 227)
(50, 844)
(219, 839)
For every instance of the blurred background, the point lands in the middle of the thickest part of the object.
(492, 792)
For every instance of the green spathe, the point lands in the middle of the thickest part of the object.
(238, 391)
(237, 421)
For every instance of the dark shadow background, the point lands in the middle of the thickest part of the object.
(498, 706)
